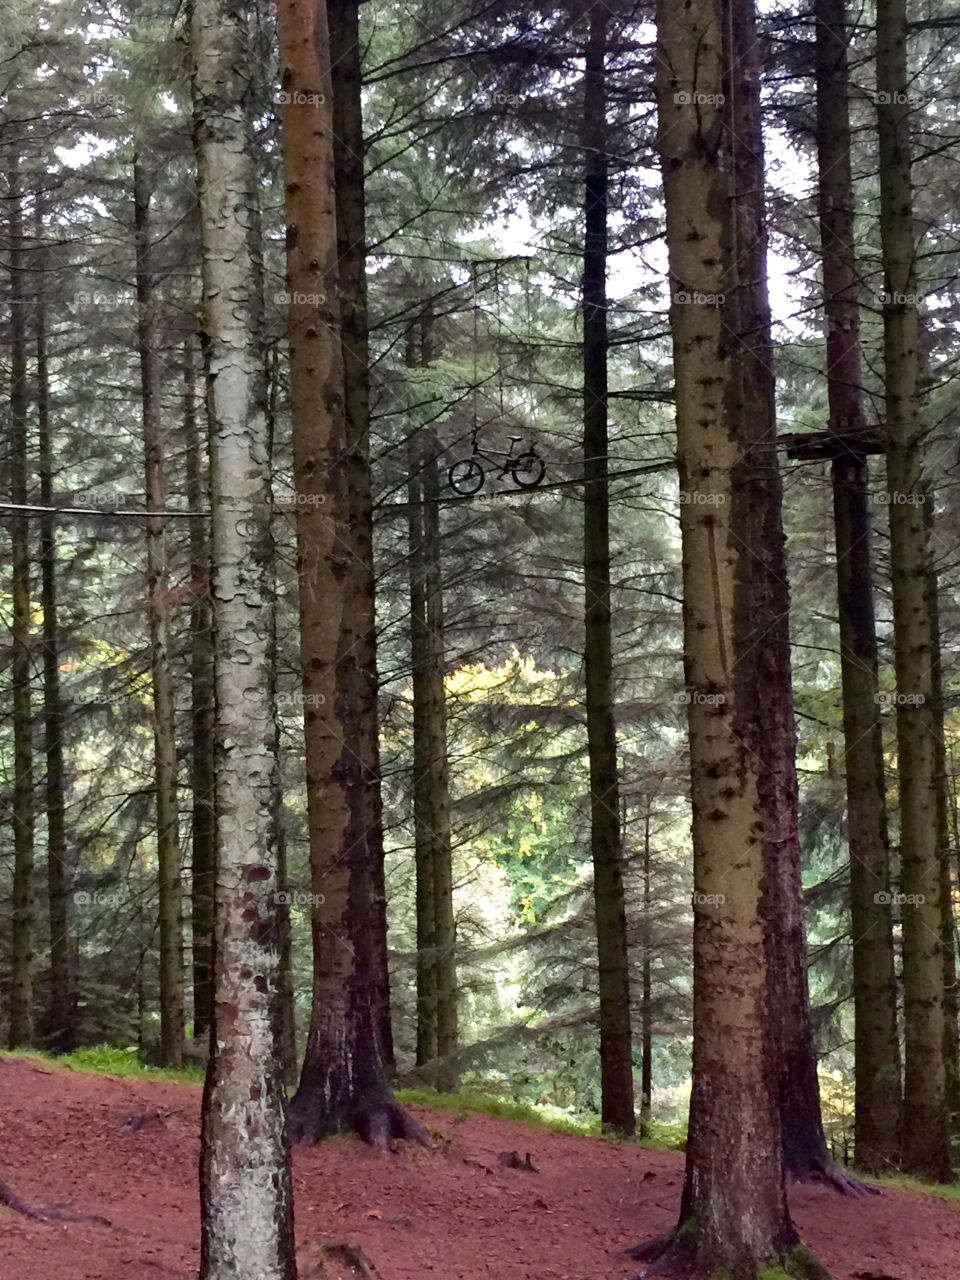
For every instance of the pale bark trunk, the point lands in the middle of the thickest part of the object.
(247, 1213)
(925, 1144)
(61, 1028)
(616, 1055)
(158, 606)
(23, 908)
(876, 1042)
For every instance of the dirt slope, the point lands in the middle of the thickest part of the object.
(455, 1213)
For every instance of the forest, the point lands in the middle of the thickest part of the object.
(479, 669)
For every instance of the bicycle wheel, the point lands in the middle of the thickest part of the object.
(529, 469)
(466, 477)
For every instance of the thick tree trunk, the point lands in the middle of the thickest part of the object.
(343, 1083)
(360, 616)
(616, 1052)
(925, 1144)
(876, 1043)
(202, 711)
(158, 604)
(247, 1213)
(61, 1026)
(734, 1215)
(23, 909)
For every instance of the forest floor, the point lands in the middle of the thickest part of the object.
(123, 1152)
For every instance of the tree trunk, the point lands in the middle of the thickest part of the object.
(360, 611)
(343, 1083)
(948, 929)
(925, 1144)
(246, 1199)
(426, 978)
(734, 1216)
(876, 1042)
(646, 1006)
(23, 911)
(156, 444)
(61, 1027)
(202, 711)
(616, 1058)
(433, 690)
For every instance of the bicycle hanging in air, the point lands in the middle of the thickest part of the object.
(526, 468)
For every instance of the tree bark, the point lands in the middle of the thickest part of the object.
(245, 1187)
(925, 1143)
(61, 1026)
(646, 997)
(948, 928)
(734, 1216)
(426, 978)
(158, 606)
(876, 1041)
(360, 617)
(343, 1082)
(616, 1056)
(202, 712)
(23, 909)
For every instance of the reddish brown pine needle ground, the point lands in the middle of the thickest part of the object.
(94, 1145)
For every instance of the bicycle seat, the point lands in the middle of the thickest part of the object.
(515, 439)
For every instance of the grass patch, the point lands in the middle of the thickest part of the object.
(660, 1135)
(902, 1182)
(108, 1060)
(464, 1104)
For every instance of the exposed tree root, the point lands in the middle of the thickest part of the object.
(382, 1124)
(837, 1179)
(46, 1212)
(678, 1255)
(12, 1201)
